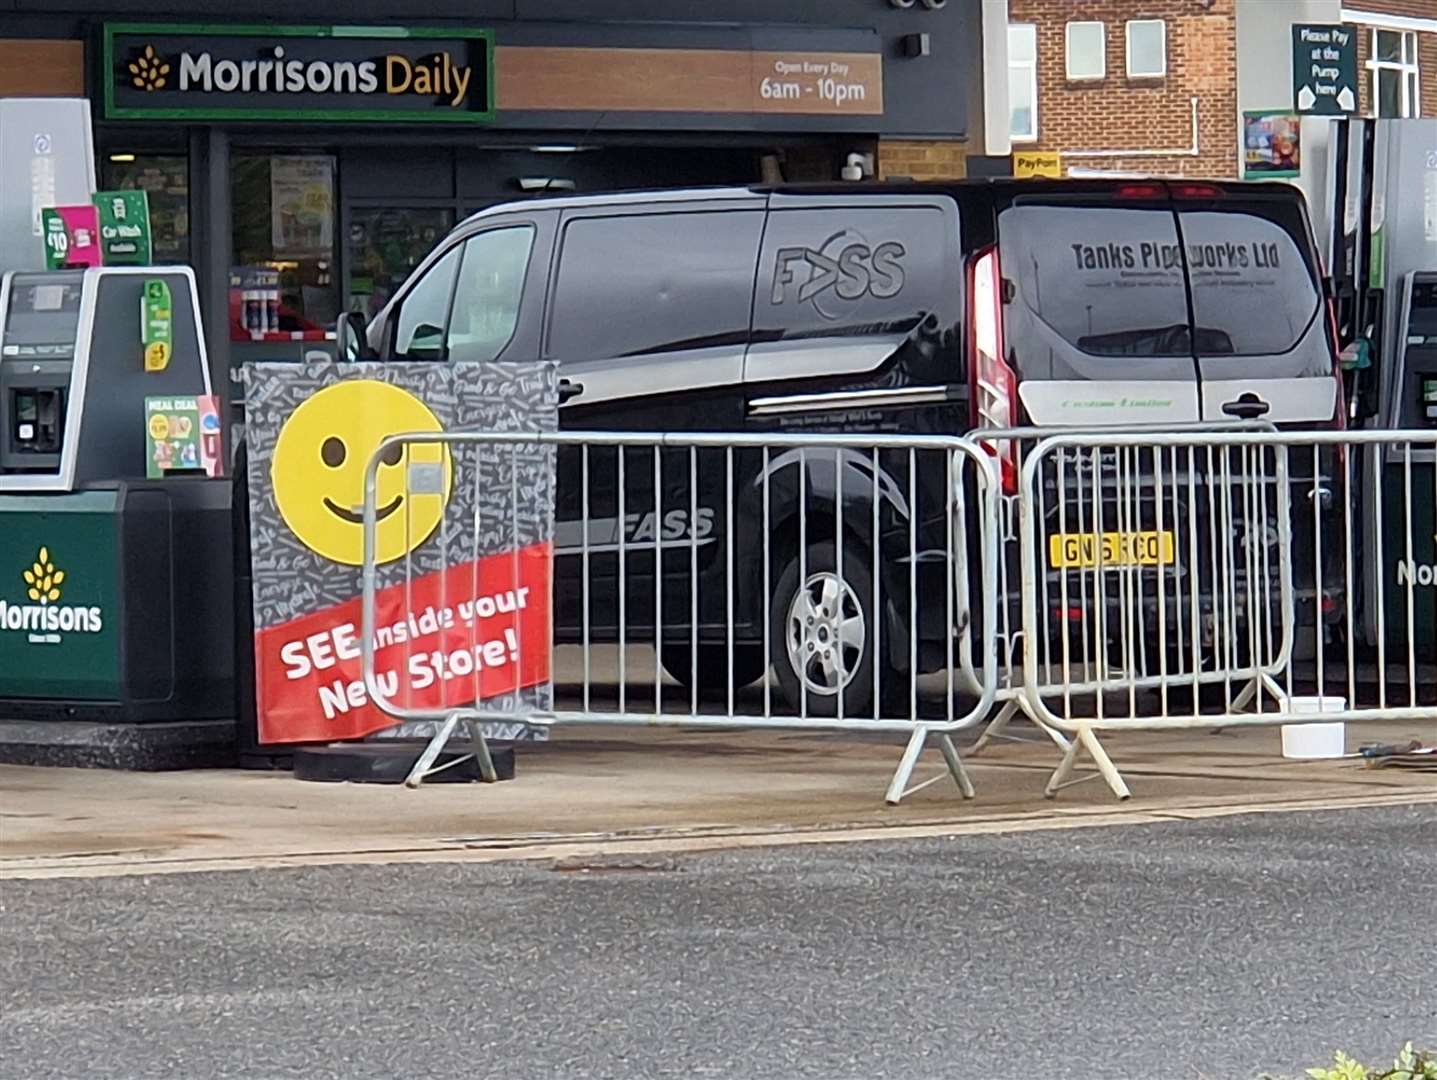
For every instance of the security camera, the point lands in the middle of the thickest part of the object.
(902, 3)
(934, 5)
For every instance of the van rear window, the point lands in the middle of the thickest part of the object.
(1108, 282)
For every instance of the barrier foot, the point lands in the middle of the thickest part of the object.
(898, 786)
(1062, 777)
(479, 745)
(955, 765)
(437, 741)
(998, 728)
(1106, 768)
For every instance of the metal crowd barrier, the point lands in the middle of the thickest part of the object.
(1216, 579)
(794, 581)
(1019, 443)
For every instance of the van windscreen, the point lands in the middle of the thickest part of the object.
(1100, 291)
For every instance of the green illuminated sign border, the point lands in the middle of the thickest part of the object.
(201, 112)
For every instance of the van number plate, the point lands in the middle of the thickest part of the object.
(1119, 549)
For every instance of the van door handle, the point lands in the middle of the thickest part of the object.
(1247, 407)
(569, 389)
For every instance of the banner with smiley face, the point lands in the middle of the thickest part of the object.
(464, 553)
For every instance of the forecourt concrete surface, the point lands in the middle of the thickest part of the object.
(1222, 948)
(616, 790)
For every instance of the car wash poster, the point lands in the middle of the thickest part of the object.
(463, 545)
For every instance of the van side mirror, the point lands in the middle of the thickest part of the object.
(351, 337)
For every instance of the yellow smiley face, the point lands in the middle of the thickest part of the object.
(318, 471)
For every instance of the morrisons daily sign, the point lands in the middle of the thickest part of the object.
(155, 71)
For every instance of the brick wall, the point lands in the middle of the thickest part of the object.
(1412, 9)
(1118, 113)
(922, 159)
(1426, 57)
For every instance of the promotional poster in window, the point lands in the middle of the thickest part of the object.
(463, 545)
(1272, 145)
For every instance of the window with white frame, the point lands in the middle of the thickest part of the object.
(1086, 43)
(1147, 49)
(1023, 82)
(1393, 65)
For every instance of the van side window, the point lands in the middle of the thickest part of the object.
(487, 295)
(647, 283)
(419, 332)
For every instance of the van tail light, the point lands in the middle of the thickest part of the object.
(993, 388)
(1196, 191)
(1141, 191)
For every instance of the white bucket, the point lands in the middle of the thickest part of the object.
(1315, 740)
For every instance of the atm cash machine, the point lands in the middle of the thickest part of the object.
(115, 587)
(1383, 192)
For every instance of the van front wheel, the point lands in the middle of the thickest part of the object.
(824, 633)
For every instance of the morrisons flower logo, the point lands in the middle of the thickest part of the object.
(148, 70)
(43, 579)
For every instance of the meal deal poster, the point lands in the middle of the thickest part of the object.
(463, 605)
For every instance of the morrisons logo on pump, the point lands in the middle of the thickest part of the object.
(44, 618)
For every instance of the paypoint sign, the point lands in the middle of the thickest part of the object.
(156, 71)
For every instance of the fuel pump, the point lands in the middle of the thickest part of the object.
(1383, 189)
(116, 602)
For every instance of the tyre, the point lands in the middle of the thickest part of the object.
(824, 632)
(678, 661)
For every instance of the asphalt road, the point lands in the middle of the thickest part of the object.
(1221, 948)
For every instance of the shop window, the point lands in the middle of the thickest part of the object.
(165, 178)
(1395, 90)
(282, 285)
(1086, 43)
(419, 333)
(385, 246)
(1022, 82)
(486, 297)
(1147, 49)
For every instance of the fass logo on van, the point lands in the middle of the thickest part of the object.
(324, 72)
(44, 618)
(846, 264)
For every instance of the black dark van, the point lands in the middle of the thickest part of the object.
(899, 308)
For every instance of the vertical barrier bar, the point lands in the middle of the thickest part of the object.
(802, 581)
(694, 577)
(912, 583)
(730, 586)
(838, 645)
(1159, 492)
(1348, 588)
(1065, 620)
(622, 585)
(950, 572)
(877, 589)
(1319, 591)
(767, 597)
(1376, 456)
(1411, 575)
(584, 576)
(658, 582)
